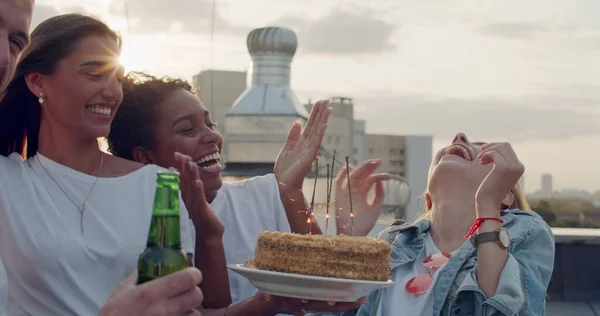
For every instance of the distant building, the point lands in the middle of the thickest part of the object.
(406, 156)
(546, 184)
(218, 90)
(359, 151)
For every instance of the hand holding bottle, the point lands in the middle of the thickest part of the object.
(175, 294)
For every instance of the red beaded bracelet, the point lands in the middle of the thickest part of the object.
(478, 222)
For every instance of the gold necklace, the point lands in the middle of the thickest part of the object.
(80, 207)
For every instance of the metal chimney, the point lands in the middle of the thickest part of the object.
(272, 50)
(257, 124)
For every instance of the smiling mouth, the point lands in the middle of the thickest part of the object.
(459, 151)
(210, 161)
(100, 109)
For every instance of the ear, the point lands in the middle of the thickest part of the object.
(143, 155)
(508, 200)
(35, 83)
(428, 201)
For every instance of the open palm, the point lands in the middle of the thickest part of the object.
(301, 148)
(365, 214)
(206, 222)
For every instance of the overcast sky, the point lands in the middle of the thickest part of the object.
(520, 71)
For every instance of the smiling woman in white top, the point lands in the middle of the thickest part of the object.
(73, 219)
(170, 118)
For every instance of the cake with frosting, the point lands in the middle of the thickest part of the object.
(345, 257)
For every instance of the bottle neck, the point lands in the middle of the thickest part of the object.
(164, 232)
(164, 226)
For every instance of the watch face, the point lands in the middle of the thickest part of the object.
(504, 237)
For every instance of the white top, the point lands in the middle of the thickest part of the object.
(396, 301)
(52, 269)
(246, 209)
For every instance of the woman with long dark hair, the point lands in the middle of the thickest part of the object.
(73, 219)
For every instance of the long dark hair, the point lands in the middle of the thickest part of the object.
(51, 41)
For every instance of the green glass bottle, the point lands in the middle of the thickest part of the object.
(163, 254)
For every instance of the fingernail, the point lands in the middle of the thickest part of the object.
(267, 297)
(191, 165)
(305, 301)
(331, 303)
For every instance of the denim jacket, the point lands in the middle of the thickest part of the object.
(523, 281)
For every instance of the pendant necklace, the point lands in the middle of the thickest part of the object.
(80, 207)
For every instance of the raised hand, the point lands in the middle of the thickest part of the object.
(175, 294)
(192, 193)
(301, 148)
(362, 180)
(506, 172)
(210, 253)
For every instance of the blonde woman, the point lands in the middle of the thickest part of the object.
(478, 250)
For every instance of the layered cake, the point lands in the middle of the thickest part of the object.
(345, 257)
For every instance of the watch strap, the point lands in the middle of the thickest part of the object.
(485, 237)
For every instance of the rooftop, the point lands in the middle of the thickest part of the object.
(575, 285)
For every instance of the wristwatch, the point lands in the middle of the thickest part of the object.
(501, 237)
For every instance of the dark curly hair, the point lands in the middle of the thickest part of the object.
(135, 122)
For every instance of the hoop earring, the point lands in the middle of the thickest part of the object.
(41, 99)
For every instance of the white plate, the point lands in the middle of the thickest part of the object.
(307, 286)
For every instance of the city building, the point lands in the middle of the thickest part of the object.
(359, 141)
(405, 156)
(546, 185)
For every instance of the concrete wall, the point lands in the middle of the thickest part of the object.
(256, 138)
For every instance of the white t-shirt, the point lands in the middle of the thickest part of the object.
(396, 301)
(246, 209)
(52, 269)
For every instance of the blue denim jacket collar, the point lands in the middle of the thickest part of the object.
(409, 244)
(522, 284)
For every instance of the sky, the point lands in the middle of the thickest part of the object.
(526, 72)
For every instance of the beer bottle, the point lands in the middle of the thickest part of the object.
(163, 254)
